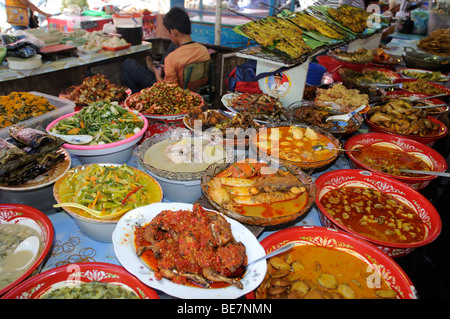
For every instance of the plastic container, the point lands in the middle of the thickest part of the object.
(33, 62)
(333, 66)
(129, 26)
(41, 122)
(315, 74)
(179, 191)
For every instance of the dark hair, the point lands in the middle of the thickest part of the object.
(177, 18)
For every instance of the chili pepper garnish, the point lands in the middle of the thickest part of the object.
(130, 193)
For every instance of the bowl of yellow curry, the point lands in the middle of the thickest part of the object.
(294, 143)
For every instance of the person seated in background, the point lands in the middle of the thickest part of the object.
(185, 51)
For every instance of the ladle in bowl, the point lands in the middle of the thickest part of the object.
(74, 139)
(273, 253)
(93, 212)
(319, 147)
(21, 255)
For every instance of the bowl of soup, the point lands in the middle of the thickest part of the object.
(386, 154)
(329, 264)
(18, 222)
(177, 160)
(380, 210)
(294, 143)
(92, 280)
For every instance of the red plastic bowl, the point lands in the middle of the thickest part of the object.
(34, 287)
(322, 236)
(429, 139)
(439, 86)
(433, 158)
(30, 216)
(406, 94)
(352, 177)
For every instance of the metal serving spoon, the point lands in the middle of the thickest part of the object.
(29, 246)
(273, 253)
(346, 117)
(93, 212)
(319, 147)
(425, 172)
(74, 139)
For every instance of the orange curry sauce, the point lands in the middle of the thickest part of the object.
(389, 160)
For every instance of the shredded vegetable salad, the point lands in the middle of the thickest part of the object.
(112, 190)
(107, 122)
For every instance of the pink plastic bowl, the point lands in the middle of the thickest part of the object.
(118, 152)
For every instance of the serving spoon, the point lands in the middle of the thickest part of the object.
(346, 117)
(319, 147)
(425, 172)
(29, 246)
(74, 139)
(273, 253)
(91, 211)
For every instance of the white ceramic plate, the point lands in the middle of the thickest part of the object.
(123, 241)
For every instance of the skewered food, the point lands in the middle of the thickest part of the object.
(192, 247)
(307, 22)
(26, 154)
(351, 17)
(285, 37)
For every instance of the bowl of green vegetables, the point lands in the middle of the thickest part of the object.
(114, 130)
(96, 196)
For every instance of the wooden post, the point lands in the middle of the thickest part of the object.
(218, 25)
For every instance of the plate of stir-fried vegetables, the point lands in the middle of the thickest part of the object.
(107, 122)
(110, 189)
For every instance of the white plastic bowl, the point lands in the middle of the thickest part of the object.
(117, 152)
(179, 191)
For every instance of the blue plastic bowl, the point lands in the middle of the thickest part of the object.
(315, 74)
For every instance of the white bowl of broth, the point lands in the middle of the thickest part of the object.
(18, 222)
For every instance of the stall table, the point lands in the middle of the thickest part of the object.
(54, 76)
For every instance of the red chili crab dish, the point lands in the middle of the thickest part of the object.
(192, 247)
